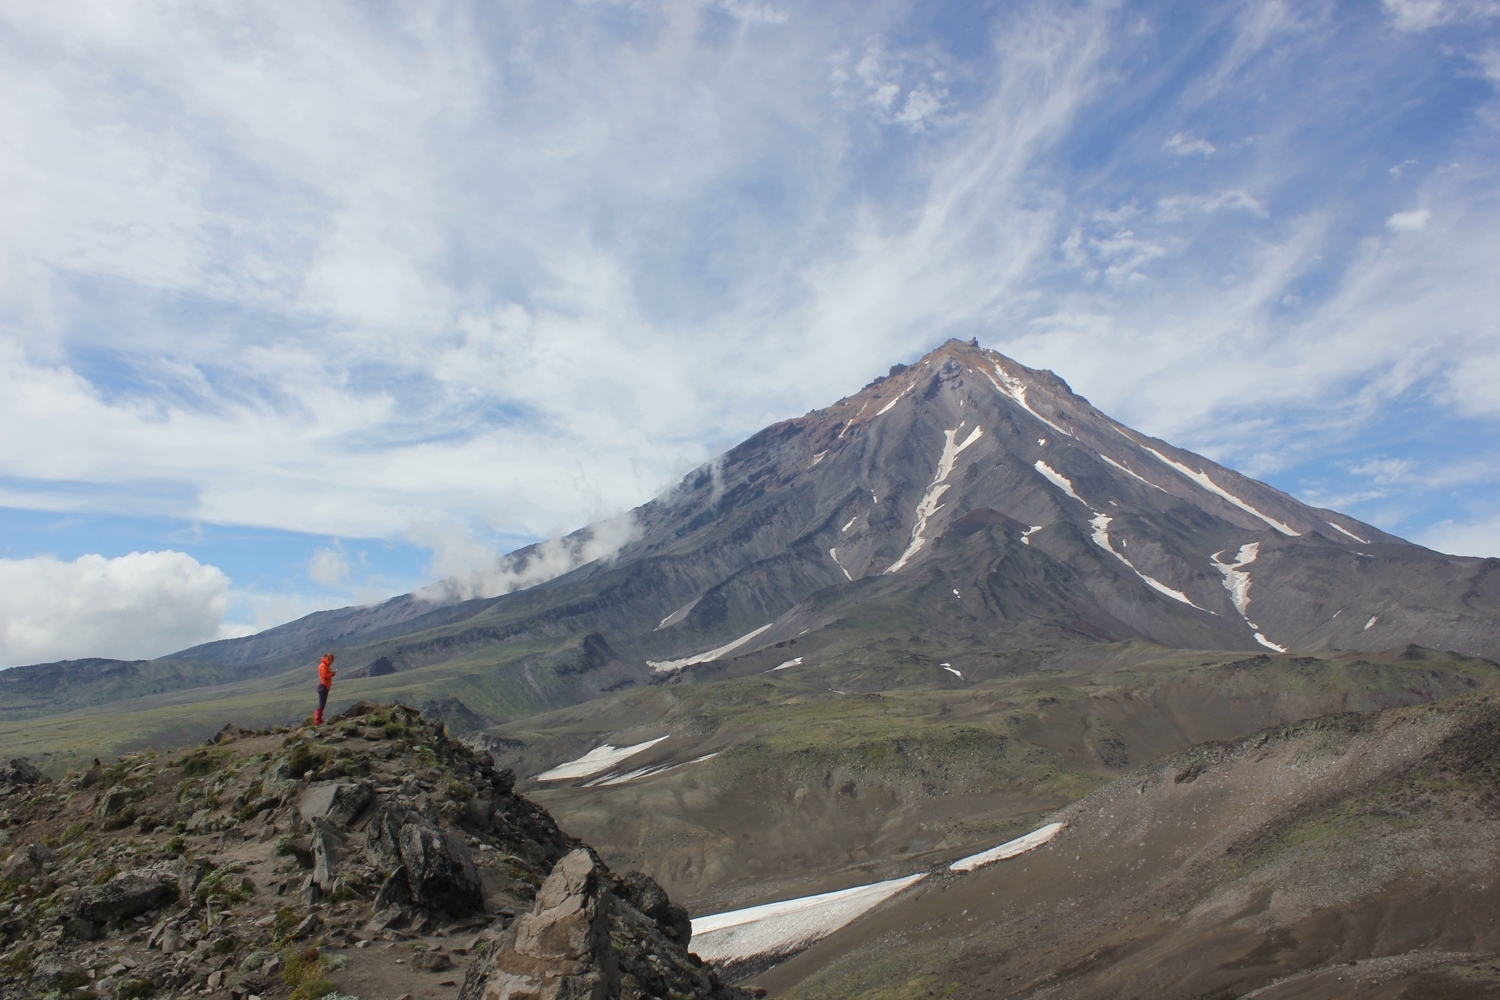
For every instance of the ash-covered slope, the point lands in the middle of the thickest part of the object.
(1352, 855)
(965, 498)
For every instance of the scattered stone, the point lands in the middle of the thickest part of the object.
(431, 961)
(29, 862)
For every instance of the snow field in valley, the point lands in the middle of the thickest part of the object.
(780, 930)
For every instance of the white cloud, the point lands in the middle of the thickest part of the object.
(329, 566)
(1175, 207)
(1183, 144)
(135, 606)
(1409, 222)
(1478, 539)
(1420, 15)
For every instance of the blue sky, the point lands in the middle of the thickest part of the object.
(316, 304)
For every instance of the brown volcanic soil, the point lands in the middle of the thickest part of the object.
(815, 790)
(1354, 855)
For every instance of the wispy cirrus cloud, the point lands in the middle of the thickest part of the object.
(460, 271)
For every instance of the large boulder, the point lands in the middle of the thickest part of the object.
(439, 870)
(327, 851)
(128, 894)
(641, 891)
(339, 802)
(561, 949)
(28, 862)
(20, 772)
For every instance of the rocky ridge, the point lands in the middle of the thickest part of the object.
(375, 856)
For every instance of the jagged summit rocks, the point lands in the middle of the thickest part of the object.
(375, 855)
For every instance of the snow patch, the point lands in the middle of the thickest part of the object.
(678, 615)
(851, 522)
(663, 666)
(1370, 624)
(955, 673)
(1009, 849)
(795, 661)
(882, 411)
(779, 930)
(834, 554)
(1363, 541)
(818, 458)
(1026, 535)
(644, 772)
(1236, 579)
(595, 761)
(1128, 472)
(1013, 387)
(1058, 480)
(1268, 643)
(1208, 484)
(929, 505)
(1101, 539)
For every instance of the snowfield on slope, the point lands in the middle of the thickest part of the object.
(775, 930)
(666, 666)
(1009, 849)
(597, 760)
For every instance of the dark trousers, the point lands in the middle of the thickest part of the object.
(322, 696)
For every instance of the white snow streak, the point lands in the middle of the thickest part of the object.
(834, 553)
(1346, 531)
(1026, 535)
(795, 661)
(1268, 643)
(955, 673)
(1058, 480)
(929, 505)
(662, 666)
(851, 522)
(644, 772)
(1128, 472)
(1016, 390)
(781, 929)
(596, 760)
(1101, 539)
(818, 458)
(881, 412)
(1369, 624)
(1237, 580)
(1208, 484)
(1009, 849)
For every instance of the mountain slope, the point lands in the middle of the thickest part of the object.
(967, 498)
(1352, 855)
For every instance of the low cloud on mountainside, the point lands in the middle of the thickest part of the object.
(132, 607)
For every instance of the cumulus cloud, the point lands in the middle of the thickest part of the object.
(135, 606)
(329, 566)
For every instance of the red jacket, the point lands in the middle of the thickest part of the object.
(325, 672)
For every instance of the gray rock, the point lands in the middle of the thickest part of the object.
(431, 961)
(439, 870)
(339, 802)
(113, 802)
(642, 892)
(28, 862)
(395, 891)
(383, 838)
(22, 772)
(327, 847)
(126, 895)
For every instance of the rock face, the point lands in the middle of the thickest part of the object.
(28, 862)
(585, 939)
(19, 773)
(560, 949)
(439, 871)
(127, 895)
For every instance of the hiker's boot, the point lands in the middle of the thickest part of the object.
(317, 717)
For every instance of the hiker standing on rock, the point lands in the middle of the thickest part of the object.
(325, 682)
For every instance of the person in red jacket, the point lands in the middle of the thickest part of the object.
(325, 683)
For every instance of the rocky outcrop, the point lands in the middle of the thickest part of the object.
(584, 939)
(19, 773)
(127, 894)
(28, 862)
(439, 871)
